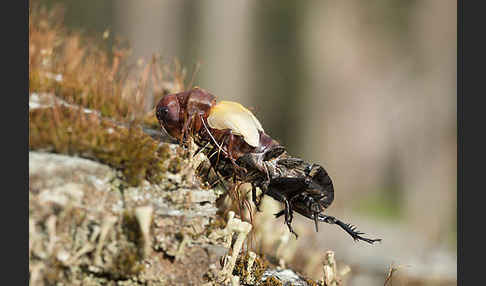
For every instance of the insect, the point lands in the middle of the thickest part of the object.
(250, 155)
(227, 125)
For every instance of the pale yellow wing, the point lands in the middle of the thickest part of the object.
(234, 116)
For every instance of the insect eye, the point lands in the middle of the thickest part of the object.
(162, 112)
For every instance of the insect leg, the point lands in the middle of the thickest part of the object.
(288, 217)
(211, 135)
(310, 211)
(254, 197)
(185, 129)
(267, 173)
(200, 149)
(350, 229)
(287, 211)
(279, 214)
(220, 148)
(263, 187)
(230, 137)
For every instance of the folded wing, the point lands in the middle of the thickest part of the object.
(234, 116)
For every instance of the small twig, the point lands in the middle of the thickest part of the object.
(390, 273)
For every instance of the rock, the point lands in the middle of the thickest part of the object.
(84, 221)
(285, 276)
(88, 226)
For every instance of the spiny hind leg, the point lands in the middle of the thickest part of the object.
(349, 228)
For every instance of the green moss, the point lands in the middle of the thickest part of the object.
(70, 131)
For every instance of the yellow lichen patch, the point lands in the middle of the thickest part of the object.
(258, 268)
(67, 130)
(311, 282)
(272, 281)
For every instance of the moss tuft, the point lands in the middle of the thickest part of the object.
(79, 71)
(66, 130)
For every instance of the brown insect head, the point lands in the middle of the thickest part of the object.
(168, 113)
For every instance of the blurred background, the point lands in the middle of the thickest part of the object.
(365, 88)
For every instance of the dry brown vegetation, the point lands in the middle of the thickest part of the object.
(76, 70)
(79, 71)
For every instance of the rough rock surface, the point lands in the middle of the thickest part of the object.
(84, 229)
(87, 227)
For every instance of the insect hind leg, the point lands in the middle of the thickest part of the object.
(254, 197)
(350, 229)
(287, 211)
(279, 214)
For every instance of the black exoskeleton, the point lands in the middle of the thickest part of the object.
(302, 187)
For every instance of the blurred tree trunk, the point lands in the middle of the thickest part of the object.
(433, 175)
(150, 26)
(277, 76)
(224, 39)
(379, 102)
